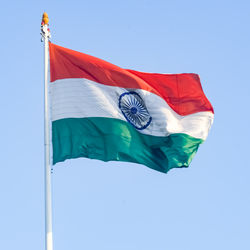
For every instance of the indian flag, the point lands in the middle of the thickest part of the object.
(101, 111)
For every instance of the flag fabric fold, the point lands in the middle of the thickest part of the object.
(101, 111)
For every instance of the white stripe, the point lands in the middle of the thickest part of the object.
(78, 98)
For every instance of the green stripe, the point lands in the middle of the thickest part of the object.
(109, 139)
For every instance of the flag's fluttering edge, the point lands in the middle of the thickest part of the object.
(101, 111)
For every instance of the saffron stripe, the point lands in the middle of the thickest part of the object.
(182, 92)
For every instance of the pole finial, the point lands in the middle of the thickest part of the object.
(45, 19)
(45, 32)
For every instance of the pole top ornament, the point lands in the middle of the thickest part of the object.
(45, 19)
(45, 32)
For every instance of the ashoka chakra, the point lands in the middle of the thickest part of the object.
(134, 110)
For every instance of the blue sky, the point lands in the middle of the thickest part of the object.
(125, 206)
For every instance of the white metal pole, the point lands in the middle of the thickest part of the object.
(48, 199)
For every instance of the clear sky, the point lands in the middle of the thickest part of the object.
(125, 206)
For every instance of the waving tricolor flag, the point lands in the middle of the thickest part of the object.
(105, 112)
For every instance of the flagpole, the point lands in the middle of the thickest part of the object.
(48, 201)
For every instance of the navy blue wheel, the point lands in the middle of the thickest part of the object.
(134, 110)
